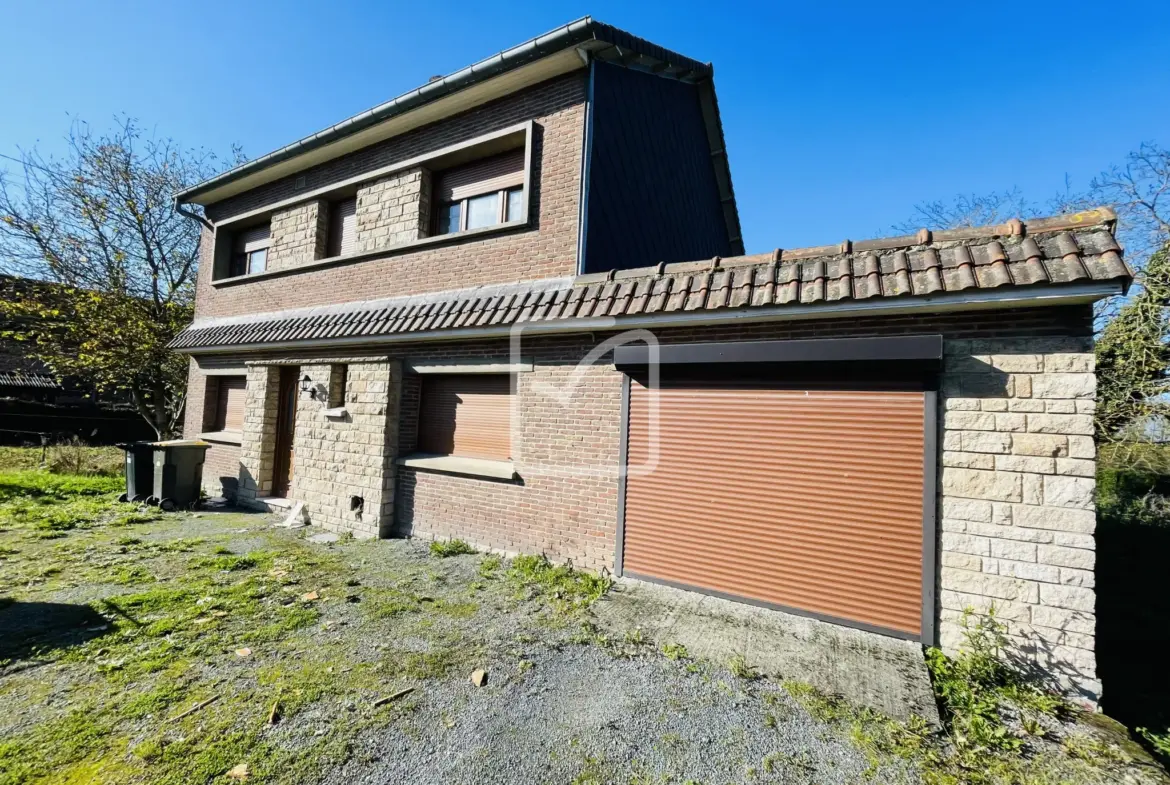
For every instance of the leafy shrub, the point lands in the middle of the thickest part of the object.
(450, 548)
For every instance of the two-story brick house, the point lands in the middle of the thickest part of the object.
(465, 312)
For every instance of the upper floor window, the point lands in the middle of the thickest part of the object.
(342, 239)
(250, 250)
(482, 193)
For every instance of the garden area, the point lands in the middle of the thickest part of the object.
(214, 647)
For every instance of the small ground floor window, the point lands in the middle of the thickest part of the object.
(467, 415)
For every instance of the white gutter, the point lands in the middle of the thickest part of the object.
(981, 299)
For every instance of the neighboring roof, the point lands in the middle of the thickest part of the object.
(599, 39)
(25, 380)
(919, 271)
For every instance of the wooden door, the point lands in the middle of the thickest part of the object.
(286, 424)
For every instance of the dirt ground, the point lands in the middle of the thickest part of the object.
(206, 647)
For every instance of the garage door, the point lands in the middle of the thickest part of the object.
(806, 499)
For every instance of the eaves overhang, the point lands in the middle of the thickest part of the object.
(558, 51)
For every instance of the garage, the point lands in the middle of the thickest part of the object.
(793, 475)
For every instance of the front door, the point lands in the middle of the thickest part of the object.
(286, 423)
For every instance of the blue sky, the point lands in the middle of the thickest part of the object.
(839, 117)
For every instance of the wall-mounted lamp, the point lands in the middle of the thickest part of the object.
(307, 386)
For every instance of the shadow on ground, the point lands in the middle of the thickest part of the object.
(1133, 623)
(31, 628)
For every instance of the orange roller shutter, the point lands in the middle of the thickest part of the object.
(467, 415)
(805, 499)
(480, 177)
(230, 407)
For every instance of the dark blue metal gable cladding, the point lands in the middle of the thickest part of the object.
(652, 194)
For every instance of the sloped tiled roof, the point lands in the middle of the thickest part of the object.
(1048, 252)
(37, 380)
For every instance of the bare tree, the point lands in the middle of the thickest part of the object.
(1140, 192)
(100, 223)
(967, 210)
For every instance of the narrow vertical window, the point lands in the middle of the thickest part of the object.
(342, 227)
(250, 250)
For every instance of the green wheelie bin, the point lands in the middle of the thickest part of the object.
(178, 473)
(139, 471)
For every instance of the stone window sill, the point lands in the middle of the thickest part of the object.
(389, 250)
(223, 437)
(336, 413)
(455, 464)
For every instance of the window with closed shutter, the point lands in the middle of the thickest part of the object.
(342, 227)
(229, 410)
(250, 250)
(469, 415)
(482, 193)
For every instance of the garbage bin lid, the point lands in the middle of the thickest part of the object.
(183, 443)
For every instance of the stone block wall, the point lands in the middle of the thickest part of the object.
(258, 440)
(298, 234)
(338, 458)
(393, 209)
(1017, 510)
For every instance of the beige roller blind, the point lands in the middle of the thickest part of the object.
(230, 407)
(343, 227)
(479, 177)
(467, 415)
(252, 239)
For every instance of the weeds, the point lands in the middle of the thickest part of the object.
(567, 589)
(450, 548)
(490, 566)
(975, 687)
(675, 651)
(741, 669)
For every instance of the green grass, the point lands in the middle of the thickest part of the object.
(443, 549)
(563, 587)
(64, 458)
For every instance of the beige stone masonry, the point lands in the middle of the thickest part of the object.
(340, 459)
(1017, 497)
(298, 235)
(258, 439)
(394, 209)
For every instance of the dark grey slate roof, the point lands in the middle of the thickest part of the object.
(1056, 251)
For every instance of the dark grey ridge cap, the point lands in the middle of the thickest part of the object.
(580, 31)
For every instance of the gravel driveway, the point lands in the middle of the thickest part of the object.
(582, 715)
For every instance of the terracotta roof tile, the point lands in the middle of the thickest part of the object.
(1048, 251)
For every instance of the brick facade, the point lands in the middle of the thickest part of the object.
(547, 248)
(1016, 459)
